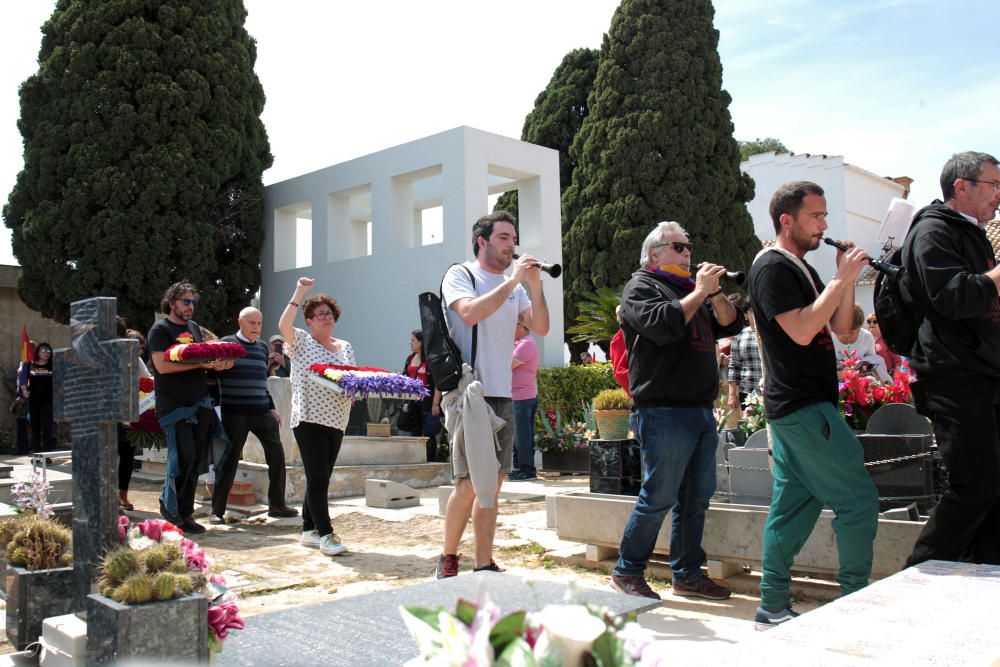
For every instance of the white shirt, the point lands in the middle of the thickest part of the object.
(495, 338)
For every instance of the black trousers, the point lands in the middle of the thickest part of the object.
(193, 441)
(319, 446)
(126, 458)
(40, 414)
(265, 427)
(965, 525)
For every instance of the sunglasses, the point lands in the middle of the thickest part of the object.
(871, 322)
(677, 246)
(189, 302)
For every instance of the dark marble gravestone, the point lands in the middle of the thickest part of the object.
(368, 629)
(615, 467)
(94, 388)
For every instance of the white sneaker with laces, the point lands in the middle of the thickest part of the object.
(330, 545)
(310, 538)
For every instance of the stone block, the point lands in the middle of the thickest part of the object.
(389, 495)
(595, 553)
(732, 533)
(173, 630)
(33, 596)
(397, 450)
(721, 569)
(64, 639)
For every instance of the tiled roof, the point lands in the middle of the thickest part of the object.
(868, 274)
(993, 234)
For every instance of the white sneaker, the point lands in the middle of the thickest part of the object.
(329, 545)
(310, 538)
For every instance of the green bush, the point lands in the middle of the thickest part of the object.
(569, 388)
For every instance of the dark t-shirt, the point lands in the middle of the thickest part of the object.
(174, 390)
(795, 375)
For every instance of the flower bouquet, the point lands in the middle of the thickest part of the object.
(565, 635)
(359, 382)
(196, 353)
(156, 562)
(754, 418)
(560, 436)
(861, 394)
(146, 433)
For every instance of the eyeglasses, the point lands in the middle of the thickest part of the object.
(677, 246)
(323, 315)
(995, 184)
(872, 322)
(189, 302)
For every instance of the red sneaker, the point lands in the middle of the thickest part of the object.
(447, 566)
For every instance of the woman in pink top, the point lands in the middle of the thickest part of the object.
(524, 391)
(892, 360)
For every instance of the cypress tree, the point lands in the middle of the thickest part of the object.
(657, 145)
(143, 154)
(558, 113)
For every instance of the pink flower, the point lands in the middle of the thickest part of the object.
(154, 528)
(122, 528)
(223, 617)
(194, 555)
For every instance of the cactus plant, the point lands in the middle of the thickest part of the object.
(40, 544)
(120, 564)
(157, 572)
(135, 590)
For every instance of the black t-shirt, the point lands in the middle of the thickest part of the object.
(795, 375)
(174, 390)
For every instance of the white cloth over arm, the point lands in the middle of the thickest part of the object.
(473, 425)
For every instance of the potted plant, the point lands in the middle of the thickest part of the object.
(39, 576)
(564, 445)
(611, 411)
(155, 588)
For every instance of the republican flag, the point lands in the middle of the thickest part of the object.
(27, 351)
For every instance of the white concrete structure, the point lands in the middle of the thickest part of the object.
(366, 221)
(857, 201)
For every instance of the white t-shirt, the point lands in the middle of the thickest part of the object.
(311, 402)
(495, 337)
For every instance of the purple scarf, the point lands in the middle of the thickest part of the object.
(675, 275)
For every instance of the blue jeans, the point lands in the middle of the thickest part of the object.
(678, 447)
(524, 435)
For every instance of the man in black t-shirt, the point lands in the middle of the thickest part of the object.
(818, 461)
(183, 406)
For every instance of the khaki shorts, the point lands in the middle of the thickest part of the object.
(504, 408)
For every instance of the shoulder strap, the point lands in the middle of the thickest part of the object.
(475, 327)
(802, 267)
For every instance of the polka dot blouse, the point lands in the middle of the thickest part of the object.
(311, 402)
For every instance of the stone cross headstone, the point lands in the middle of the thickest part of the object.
(95, 387)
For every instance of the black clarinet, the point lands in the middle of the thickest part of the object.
(890, 271)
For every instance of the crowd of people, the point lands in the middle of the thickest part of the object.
(788, 340)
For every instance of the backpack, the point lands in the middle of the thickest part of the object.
(897, 321)
(444, 359)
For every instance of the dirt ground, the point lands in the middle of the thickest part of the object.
(269, 569)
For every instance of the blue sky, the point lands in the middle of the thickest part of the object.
(895, 86)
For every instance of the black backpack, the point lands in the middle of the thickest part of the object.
(444, 359)
(897, 321)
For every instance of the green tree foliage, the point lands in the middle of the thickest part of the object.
(595, 319)
(758, 145)
(143, 154)
(656, 145)
(559, 111)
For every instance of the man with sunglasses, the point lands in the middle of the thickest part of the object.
(183, 405)
(671, 321)
(951, 280)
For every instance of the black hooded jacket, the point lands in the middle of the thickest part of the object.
(670, 362)
(946, 256)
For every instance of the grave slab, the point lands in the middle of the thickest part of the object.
(935, 613)
(368, 629)
(732, 533)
